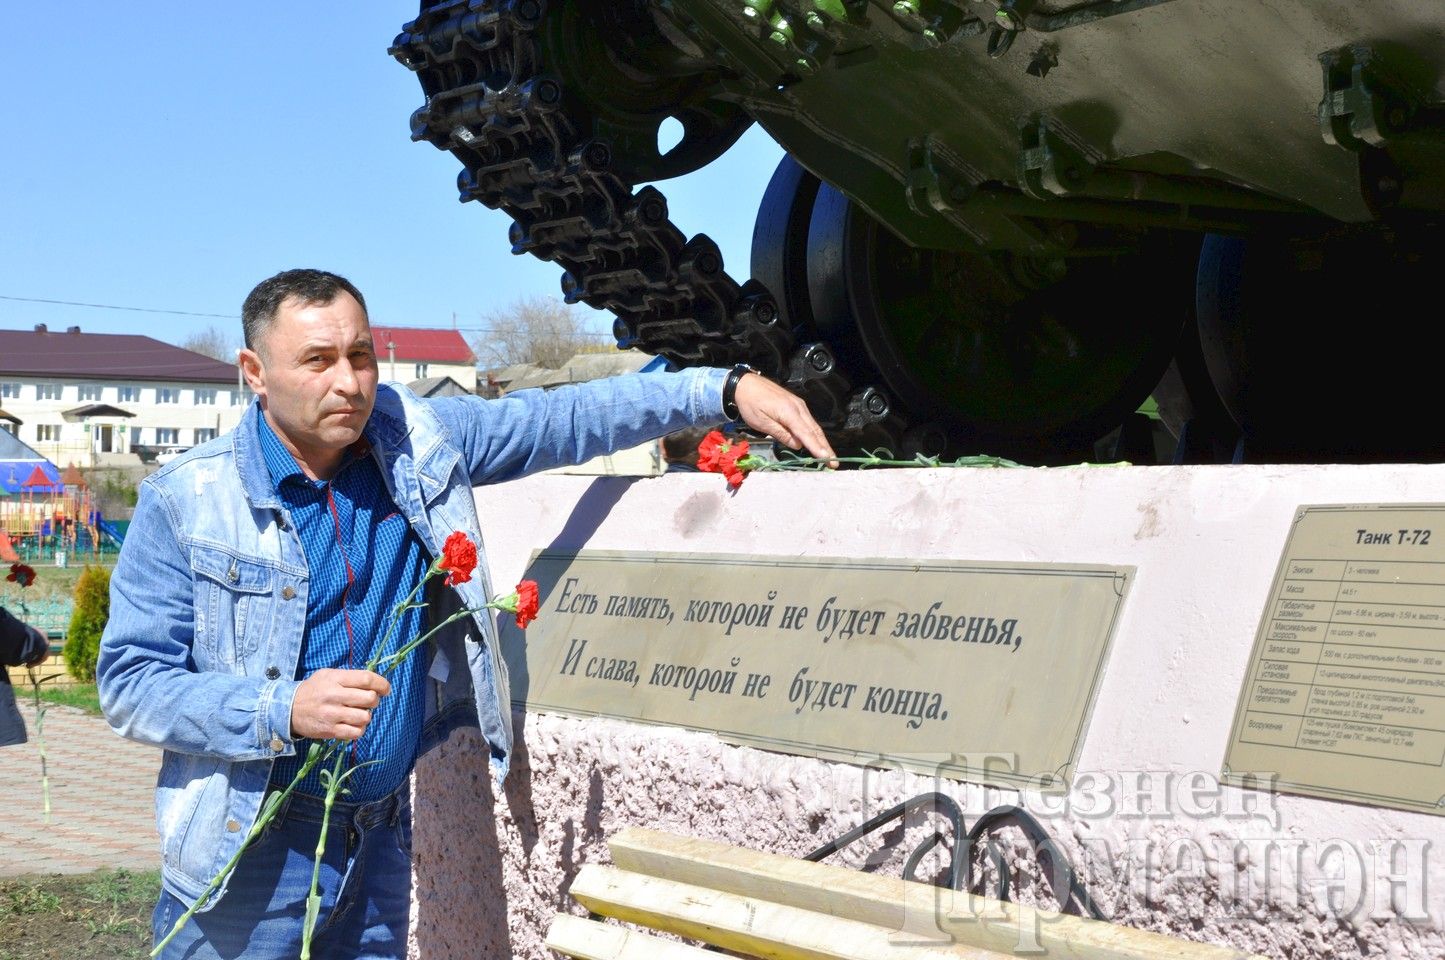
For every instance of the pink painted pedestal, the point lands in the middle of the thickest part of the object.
(1161, 846)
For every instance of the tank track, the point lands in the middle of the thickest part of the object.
(492, 101)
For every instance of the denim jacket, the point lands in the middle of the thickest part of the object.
(208, 598)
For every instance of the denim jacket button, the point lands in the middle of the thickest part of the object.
(288, 592)
(233, 825)
(277, 745)
(272, 673)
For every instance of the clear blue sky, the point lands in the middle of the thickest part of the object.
(170, 155)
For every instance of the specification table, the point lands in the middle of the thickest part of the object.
(1345, 694)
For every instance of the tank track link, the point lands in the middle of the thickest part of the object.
(492, 101)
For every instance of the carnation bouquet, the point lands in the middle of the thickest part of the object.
(457, 561)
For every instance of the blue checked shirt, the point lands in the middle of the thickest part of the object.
(363, 560)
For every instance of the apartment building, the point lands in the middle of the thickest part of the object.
(93, 399)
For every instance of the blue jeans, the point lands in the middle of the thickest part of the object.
(365, 887)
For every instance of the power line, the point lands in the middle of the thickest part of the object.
(112, 306)
(232, 316)
(581, 333)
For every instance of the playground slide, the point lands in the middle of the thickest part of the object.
(7, 549)
(111, 530)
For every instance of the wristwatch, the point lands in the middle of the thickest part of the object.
(730, 389)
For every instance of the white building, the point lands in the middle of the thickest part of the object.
(644, 460)
(93, 399)
(405, 354)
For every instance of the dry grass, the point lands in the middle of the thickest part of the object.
(91, 916)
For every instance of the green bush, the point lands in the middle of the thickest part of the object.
(92, 609)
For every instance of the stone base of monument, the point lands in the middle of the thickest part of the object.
(1220, 691)
(762, 905)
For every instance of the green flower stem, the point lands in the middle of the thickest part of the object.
(873, 459)
(313, 896)
(314, 756)
(40, 709)
(385, 664)
(406, 604)
(335, 781)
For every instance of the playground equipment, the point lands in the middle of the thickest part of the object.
(60, 523)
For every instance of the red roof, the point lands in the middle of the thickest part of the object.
(434, 344)
(37, 478)
(114, 356)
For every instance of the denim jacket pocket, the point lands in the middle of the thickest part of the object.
(232, 605)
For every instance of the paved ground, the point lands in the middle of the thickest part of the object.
(102, 791)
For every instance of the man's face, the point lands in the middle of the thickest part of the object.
(315, 371)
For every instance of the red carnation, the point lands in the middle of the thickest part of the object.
(717, 454)
(522, 602)
(21, 573)
(709, 449)
(526, 602)
(459, 558)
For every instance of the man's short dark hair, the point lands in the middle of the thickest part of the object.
(305, 285)
(681, 445)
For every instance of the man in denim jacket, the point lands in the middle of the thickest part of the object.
(262, 568)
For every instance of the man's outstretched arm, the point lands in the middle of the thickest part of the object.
(535, 429)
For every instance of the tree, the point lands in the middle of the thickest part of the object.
(213, 342)
(87, 622)
(540, 330)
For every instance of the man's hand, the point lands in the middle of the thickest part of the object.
(42, 646)
(336, 704)
(784, 416)
(42, 651)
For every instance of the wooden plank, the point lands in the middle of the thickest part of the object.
(921, 909)
(748, 925)
(592, 940)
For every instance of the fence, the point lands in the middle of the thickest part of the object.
(53, 617)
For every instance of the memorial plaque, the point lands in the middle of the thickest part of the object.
(977, 671)
(1345, 694)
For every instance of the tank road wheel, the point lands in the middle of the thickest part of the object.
(780, 239)
(1313, 351)
(624, 78)
(1028, 359)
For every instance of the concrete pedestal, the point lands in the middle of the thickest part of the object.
(1159, 843)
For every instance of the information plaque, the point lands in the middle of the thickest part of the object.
(1345, 694)
(978, 671)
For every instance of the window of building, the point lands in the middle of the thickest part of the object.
(129, 394)
(205, 433)
(9, 391)
(205, 397)
(165, 435)
(47, 391)
(47, 432)
(421, 369)
(238, 397)
(168, 395)
(90, 391)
